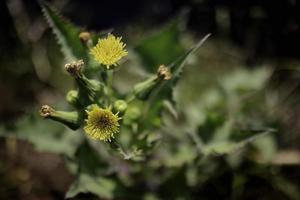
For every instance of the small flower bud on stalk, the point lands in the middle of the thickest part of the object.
(75, 68)
(164, 72)
(70, 119)
(88, 90)
(120, 106)
(86, 39)
(72, 98)
(144, 89)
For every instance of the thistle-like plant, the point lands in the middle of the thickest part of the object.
(134, 122)
(98, 107)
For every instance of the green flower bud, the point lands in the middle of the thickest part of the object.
(120, 106)
(72, 98)
(71, 119)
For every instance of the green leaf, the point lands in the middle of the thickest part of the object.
(266, 147)
(162, 47)
(94, 173)
(228, 147)
(245, 80)
(102, 187)
(65, 32)
(89, 161)
(177, 66)
(46, 135)
(163, 89)
(219, 148)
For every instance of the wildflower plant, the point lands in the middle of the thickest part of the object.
(99, 109)
(117, 141)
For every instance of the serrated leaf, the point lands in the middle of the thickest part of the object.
(154, 86)
(177, 66)
(163, 89)
(85, 183)
(65, 32)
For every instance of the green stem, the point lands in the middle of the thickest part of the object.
(109, 86)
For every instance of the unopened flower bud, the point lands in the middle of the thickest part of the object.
(46, 111)
(144, 89)
(164, 72)
(70, 119)
(75, 68)
(86, 39)
(72, 98)
(120, 106)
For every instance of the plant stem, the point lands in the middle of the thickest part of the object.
(109, 86)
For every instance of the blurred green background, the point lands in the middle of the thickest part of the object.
(247, 72)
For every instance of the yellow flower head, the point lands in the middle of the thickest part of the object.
(101, 124)
(109, 50)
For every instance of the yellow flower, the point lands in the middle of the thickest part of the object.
(101, 124)
(109, 50)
